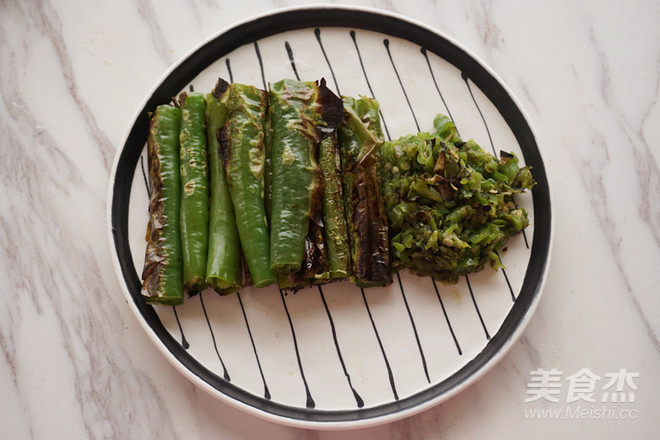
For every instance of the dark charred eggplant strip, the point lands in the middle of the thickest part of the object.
(359, 137)
(194, 221)
(162, 274)
(242, 149)
(223, 266)
(334, 221)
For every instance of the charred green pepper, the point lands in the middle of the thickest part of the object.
(194, 191)
(299, 114)
(334, 220)
(162, 274)
(360, 135)
(223, 266)
(295, 173)
(242, 149)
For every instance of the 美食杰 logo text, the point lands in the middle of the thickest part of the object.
(584, 394)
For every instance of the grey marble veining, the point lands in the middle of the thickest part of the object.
(74, 361)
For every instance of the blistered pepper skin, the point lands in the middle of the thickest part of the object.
(162, 274)
(223, 266)
(295, 172)
(241, 146)
(360, 136)
(334, 220)
(194, 191)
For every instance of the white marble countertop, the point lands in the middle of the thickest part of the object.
(74, 362)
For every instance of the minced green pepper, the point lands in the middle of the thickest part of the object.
(449, 203)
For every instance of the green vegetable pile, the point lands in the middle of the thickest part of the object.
(450, 204)
(296, 186)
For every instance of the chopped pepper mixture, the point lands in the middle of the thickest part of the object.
(449, 203)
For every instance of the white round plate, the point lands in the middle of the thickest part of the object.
(337, 356)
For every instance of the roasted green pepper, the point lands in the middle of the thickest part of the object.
(360, 135)
(314, 268)
(242, 149)
(334, 220)
(194, 222)
(223, 266)
(295, 173)
(162, 274)
(299, 115)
